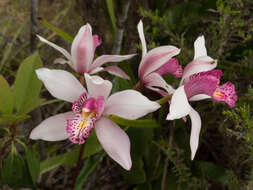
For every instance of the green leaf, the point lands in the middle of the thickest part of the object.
(87, 169)
(110, 7)
(27, 86)
(14, 118)
(51, 163)
(6, 97)
(145, 123)
(14, 172)
(57, 30)
(33, 164)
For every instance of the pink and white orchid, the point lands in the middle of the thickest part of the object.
(82, 54)
(201, 61)
(89, 111)
(203, 83)
(156, 63)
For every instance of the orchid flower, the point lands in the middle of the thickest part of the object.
(201, 61)
(198, 84)
(82, 54)
(156, 63)
(89, 111)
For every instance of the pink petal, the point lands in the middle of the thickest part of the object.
(197, 66)
(98, 86)
(115, 70)
(155, 59)
(225, 93)
(129, 104)
(114, 141)
(82, 49)
(142, 38)
(61, 84)
(170, 67)
(101, 60)
(96, 42)
(53, 128)
(195, 130)
(199, 47)
(155, 80)
(202, 83)
(179, 106)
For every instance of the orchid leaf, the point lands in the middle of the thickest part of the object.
(27, 86)
(6, 97)
(51, 163)
(145, 123)
(57, 30)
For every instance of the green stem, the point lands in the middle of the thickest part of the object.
(164, 100)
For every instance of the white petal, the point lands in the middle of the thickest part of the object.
(129, 104)
(53, 128)
(199, 97)
(96, 70)
(199, 47)
(142, 38)
(197, 66)
(97, 86)
(60, 49)
(154, 80)
(61, 84)
(101, 60)
(179, 106)
(115, 70)
(195, 130)
(115, 142)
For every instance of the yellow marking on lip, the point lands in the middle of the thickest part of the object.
(218, 94)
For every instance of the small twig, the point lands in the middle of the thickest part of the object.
(34, 13)
(120, 28)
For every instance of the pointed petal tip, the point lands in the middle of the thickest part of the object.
(127, 165)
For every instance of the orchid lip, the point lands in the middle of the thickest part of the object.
(86, 114)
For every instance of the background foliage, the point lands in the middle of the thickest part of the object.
(160, 149)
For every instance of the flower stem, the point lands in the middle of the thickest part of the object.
(164, 99)
(78, 165)
(137, 86)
